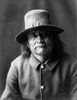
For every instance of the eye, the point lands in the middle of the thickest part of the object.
(33, 34)
(46, 34)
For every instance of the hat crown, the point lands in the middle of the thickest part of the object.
(36, 18)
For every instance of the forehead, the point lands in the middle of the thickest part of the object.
(43, 34)
(40, 32)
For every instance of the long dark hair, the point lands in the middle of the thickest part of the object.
(57, 47)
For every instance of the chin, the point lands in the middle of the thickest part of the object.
(41, 52)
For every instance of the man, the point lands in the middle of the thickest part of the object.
(43, 71)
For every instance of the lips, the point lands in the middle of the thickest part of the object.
(41, 46)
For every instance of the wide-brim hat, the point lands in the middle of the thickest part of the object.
(37, 20)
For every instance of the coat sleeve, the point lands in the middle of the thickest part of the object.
(74, 81)
(12, 87)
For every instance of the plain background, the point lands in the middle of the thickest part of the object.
(63, 13)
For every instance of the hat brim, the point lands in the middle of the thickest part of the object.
(20, 38)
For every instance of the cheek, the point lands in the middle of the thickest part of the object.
(31, 44)
(48, 41)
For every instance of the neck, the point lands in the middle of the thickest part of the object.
(41, 58)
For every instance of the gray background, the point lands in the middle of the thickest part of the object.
(63, 13)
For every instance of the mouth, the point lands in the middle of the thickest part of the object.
(41, 46)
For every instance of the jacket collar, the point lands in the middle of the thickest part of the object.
(34, 62)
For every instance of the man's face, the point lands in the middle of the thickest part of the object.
(40, 42)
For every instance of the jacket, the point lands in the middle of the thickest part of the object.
(28, 79)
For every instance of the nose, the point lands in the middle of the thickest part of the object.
(41, 35)
(40, 38)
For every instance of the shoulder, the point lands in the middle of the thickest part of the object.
(68, 58)
(18, 61)
(68, 63)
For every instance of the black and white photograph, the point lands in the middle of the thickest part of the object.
(38, 50)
